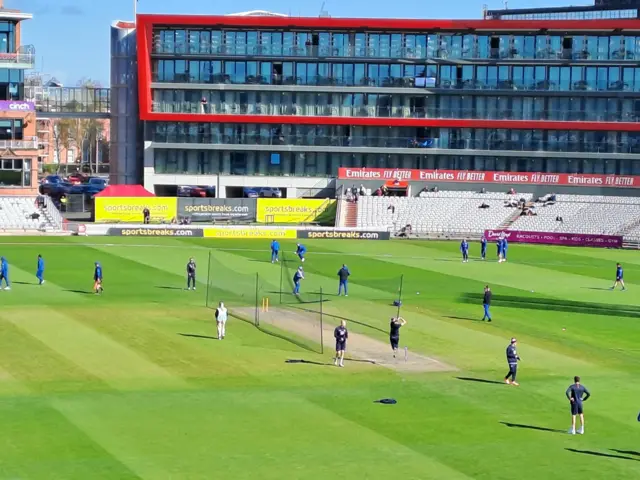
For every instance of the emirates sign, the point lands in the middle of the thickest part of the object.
(505, 178)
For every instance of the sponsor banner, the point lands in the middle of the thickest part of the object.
(155, 232)
(249, 233)
(285, 210)
(212, 209)
(506, 178)
(129, 209)
(554, 238)
(17, 106)
(347, 235)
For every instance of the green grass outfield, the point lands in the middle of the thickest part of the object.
(127, 385)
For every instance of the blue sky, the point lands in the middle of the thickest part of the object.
(71, 37)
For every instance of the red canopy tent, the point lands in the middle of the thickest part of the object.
(125, 191)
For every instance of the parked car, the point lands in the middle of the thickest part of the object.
(76, 178)
(195, 191)
(55, 189)
(270, 192)
(250, 192)
(51, 179)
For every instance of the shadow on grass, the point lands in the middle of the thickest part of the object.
(307, 362)
(626, 452)
(81, 292)
(25, 283)
(556, 305)
(531, 427)
(601, 454)
(480, 380)
(193, 335)
(164, 287)
(596, 288)
(463, 318)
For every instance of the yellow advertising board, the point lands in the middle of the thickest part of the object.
(129, 209)
(295, 210)
(249, 233)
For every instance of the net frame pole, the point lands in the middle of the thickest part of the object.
(400, 295)
(257, 308)
(208, 279)
(321, 323)
(281, 275)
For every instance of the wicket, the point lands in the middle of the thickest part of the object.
(265, 304)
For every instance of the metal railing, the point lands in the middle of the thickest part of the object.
(394, 112)
(29, 143)
(18, 59)
(494, 142)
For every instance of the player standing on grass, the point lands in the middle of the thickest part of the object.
(394, 333)
(483, 247)
(191, 274)
(299, 275)
(40, 270)
(97, 279)
(486, 303)
(301, 250)
(619, 278)
(499, 248)
(221, 320)
(4, 273)
(464, 248)
(577, 394)
(343, 274)
(275, 251)
(512, 360)
(505, 247)
(341, 335)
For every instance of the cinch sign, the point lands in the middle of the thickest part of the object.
(504, 178)
(10, 106)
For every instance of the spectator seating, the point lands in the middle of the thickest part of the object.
(17, 213)
(596, 214)
(437, 212)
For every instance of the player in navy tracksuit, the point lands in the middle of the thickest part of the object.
(499, 249)
(97, 279)
(4, 273)
(505, 247)
(512, 360)
(275, 251)
(343, 274)
(483, 247)
(464, 248)
(299, 275)
(577, 394)
(191, 274)
(40, 270)
(619, 278)
(300, 251)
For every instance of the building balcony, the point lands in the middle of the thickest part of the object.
(29, 143)
(25, 58)
(392, 112)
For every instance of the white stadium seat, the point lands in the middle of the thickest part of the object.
(16, 214)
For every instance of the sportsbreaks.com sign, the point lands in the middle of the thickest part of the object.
(505, 178)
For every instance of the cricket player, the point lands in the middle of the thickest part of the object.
(97, 278)
(343, 274)
(512, 360)
(275, 251)
(505, 247)
(619, 278)
(301, 251)
(394, 333)
(341, 335)
(221, 320)
(499, 248)
(486, 303)
(299, 275)
(464, 248)
(577, 394)
(40, 270)
(483, 248)
(191, 274)
(4, 273)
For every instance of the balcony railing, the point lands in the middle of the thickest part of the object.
(26, 59)
(394, 112)
(493, 143)
(29, 143)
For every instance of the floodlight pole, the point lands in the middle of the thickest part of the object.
(400, 295)
(321, 324)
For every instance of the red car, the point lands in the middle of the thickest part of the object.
(76, 179)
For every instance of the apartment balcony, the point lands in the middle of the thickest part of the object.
(29, 143)
(24, 59)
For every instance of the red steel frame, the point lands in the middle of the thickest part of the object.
(146, 23)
